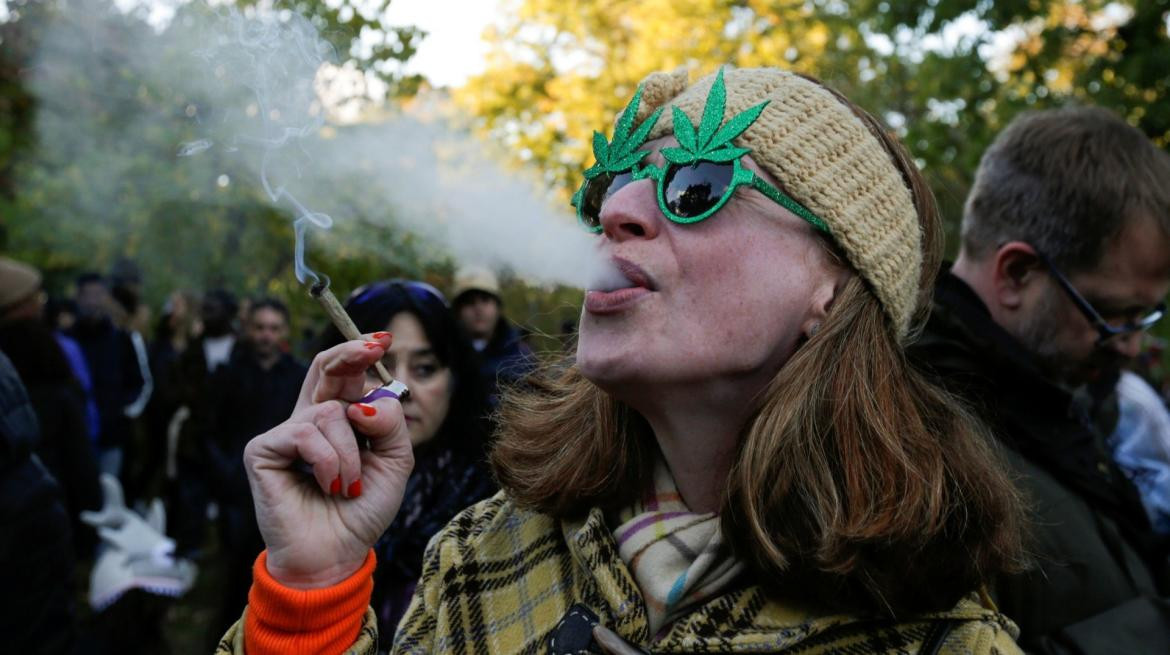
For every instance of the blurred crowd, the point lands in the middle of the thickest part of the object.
(126, 410)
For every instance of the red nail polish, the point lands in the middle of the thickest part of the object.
(381, 335)
(368, 410)
(335, 487)
(372, 345)
(355, 488)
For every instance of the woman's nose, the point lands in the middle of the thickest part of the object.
(632, 213)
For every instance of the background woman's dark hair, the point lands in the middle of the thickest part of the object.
(373, 305)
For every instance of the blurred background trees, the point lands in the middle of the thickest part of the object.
(945, 75)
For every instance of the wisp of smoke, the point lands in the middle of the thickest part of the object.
(276, 59)
(426, 178)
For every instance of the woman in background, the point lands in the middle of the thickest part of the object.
(445, 414)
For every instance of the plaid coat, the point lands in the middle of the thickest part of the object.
(498, 579)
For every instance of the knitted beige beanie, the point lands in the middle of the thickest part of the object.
(827, 160)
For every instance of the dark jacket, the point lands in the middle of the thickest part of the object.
(1098, 583)
(35, 546)
(63, 446)
(505, 359)
(245, 400)
(449, 475)
(117, 380)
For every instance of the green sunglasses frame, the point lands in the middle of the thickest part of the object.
(710, 142)
(740, 176)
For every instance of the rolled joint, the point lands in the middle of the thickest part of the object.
(320, 291)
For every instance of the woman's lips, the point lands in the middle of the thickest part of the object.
(630, 285)
(612, 302)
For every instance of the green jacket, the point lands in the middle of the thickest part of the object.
(499, 579)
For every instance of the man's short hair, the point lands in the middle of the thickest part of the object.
(1065, 181)
(268, 303)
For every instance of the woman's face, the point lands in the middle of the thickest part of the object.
(727, 298)
(412, 361)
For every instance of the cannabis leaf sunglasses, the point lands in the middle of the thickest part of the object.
(700, 175)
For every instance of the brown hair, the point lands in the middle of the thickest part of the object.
(857, 481)
(1066, 181)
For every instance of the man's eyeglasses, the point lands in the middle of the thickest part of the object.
(1105, 330)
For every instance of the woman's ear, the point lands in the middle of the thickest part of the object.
(823, 298)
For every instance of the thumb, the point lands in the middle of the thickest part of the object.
(380, 418)
(613, 644)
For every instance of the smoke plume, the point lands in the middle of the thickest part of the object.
(248, 100)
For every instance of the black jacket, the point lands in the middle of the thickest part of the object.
(245, 400)
(63, 444)
(505, 359)
(1098, 583)
(36, 550)
(117, 380)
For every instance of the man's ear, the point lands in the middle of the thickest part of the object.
(1015, 268)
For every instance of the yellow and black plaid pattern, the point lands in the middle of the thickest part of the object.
(498, 579)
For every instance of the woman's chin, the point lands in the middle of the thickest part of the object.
(603, 368)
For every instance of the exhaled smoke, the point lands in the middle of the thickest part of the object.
(249, 102)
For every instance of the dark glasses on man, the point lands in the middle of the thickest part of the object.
(1105, 329)
(687, 193)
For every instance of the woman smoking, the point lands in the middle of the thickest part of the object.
(737, 456)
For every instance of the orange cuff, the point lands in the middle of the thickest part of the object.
(286, 621)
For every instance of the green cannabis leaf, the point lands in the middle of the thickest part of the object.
(711, 142)
(621, 152)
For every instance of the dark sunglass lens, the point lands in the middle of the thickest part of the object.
(695, 188)
(597, 191)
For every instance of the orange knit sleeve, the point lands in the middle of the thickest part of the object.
(285, 621)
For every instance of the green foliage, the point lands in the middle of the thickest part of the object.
(945, 91)
(89, 173)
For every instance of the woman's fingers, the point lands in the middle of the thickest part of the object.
(330, 418)
(339, 373)
(278, 448)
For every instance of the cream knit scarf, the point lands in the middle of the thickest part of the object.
(678, 558)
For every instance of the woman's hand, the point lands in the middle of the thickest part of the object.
(320, 528)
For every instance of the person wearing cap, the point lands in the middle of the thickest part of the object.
(22, 297)
(738, 456)
(504, 355)
(55, 392)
